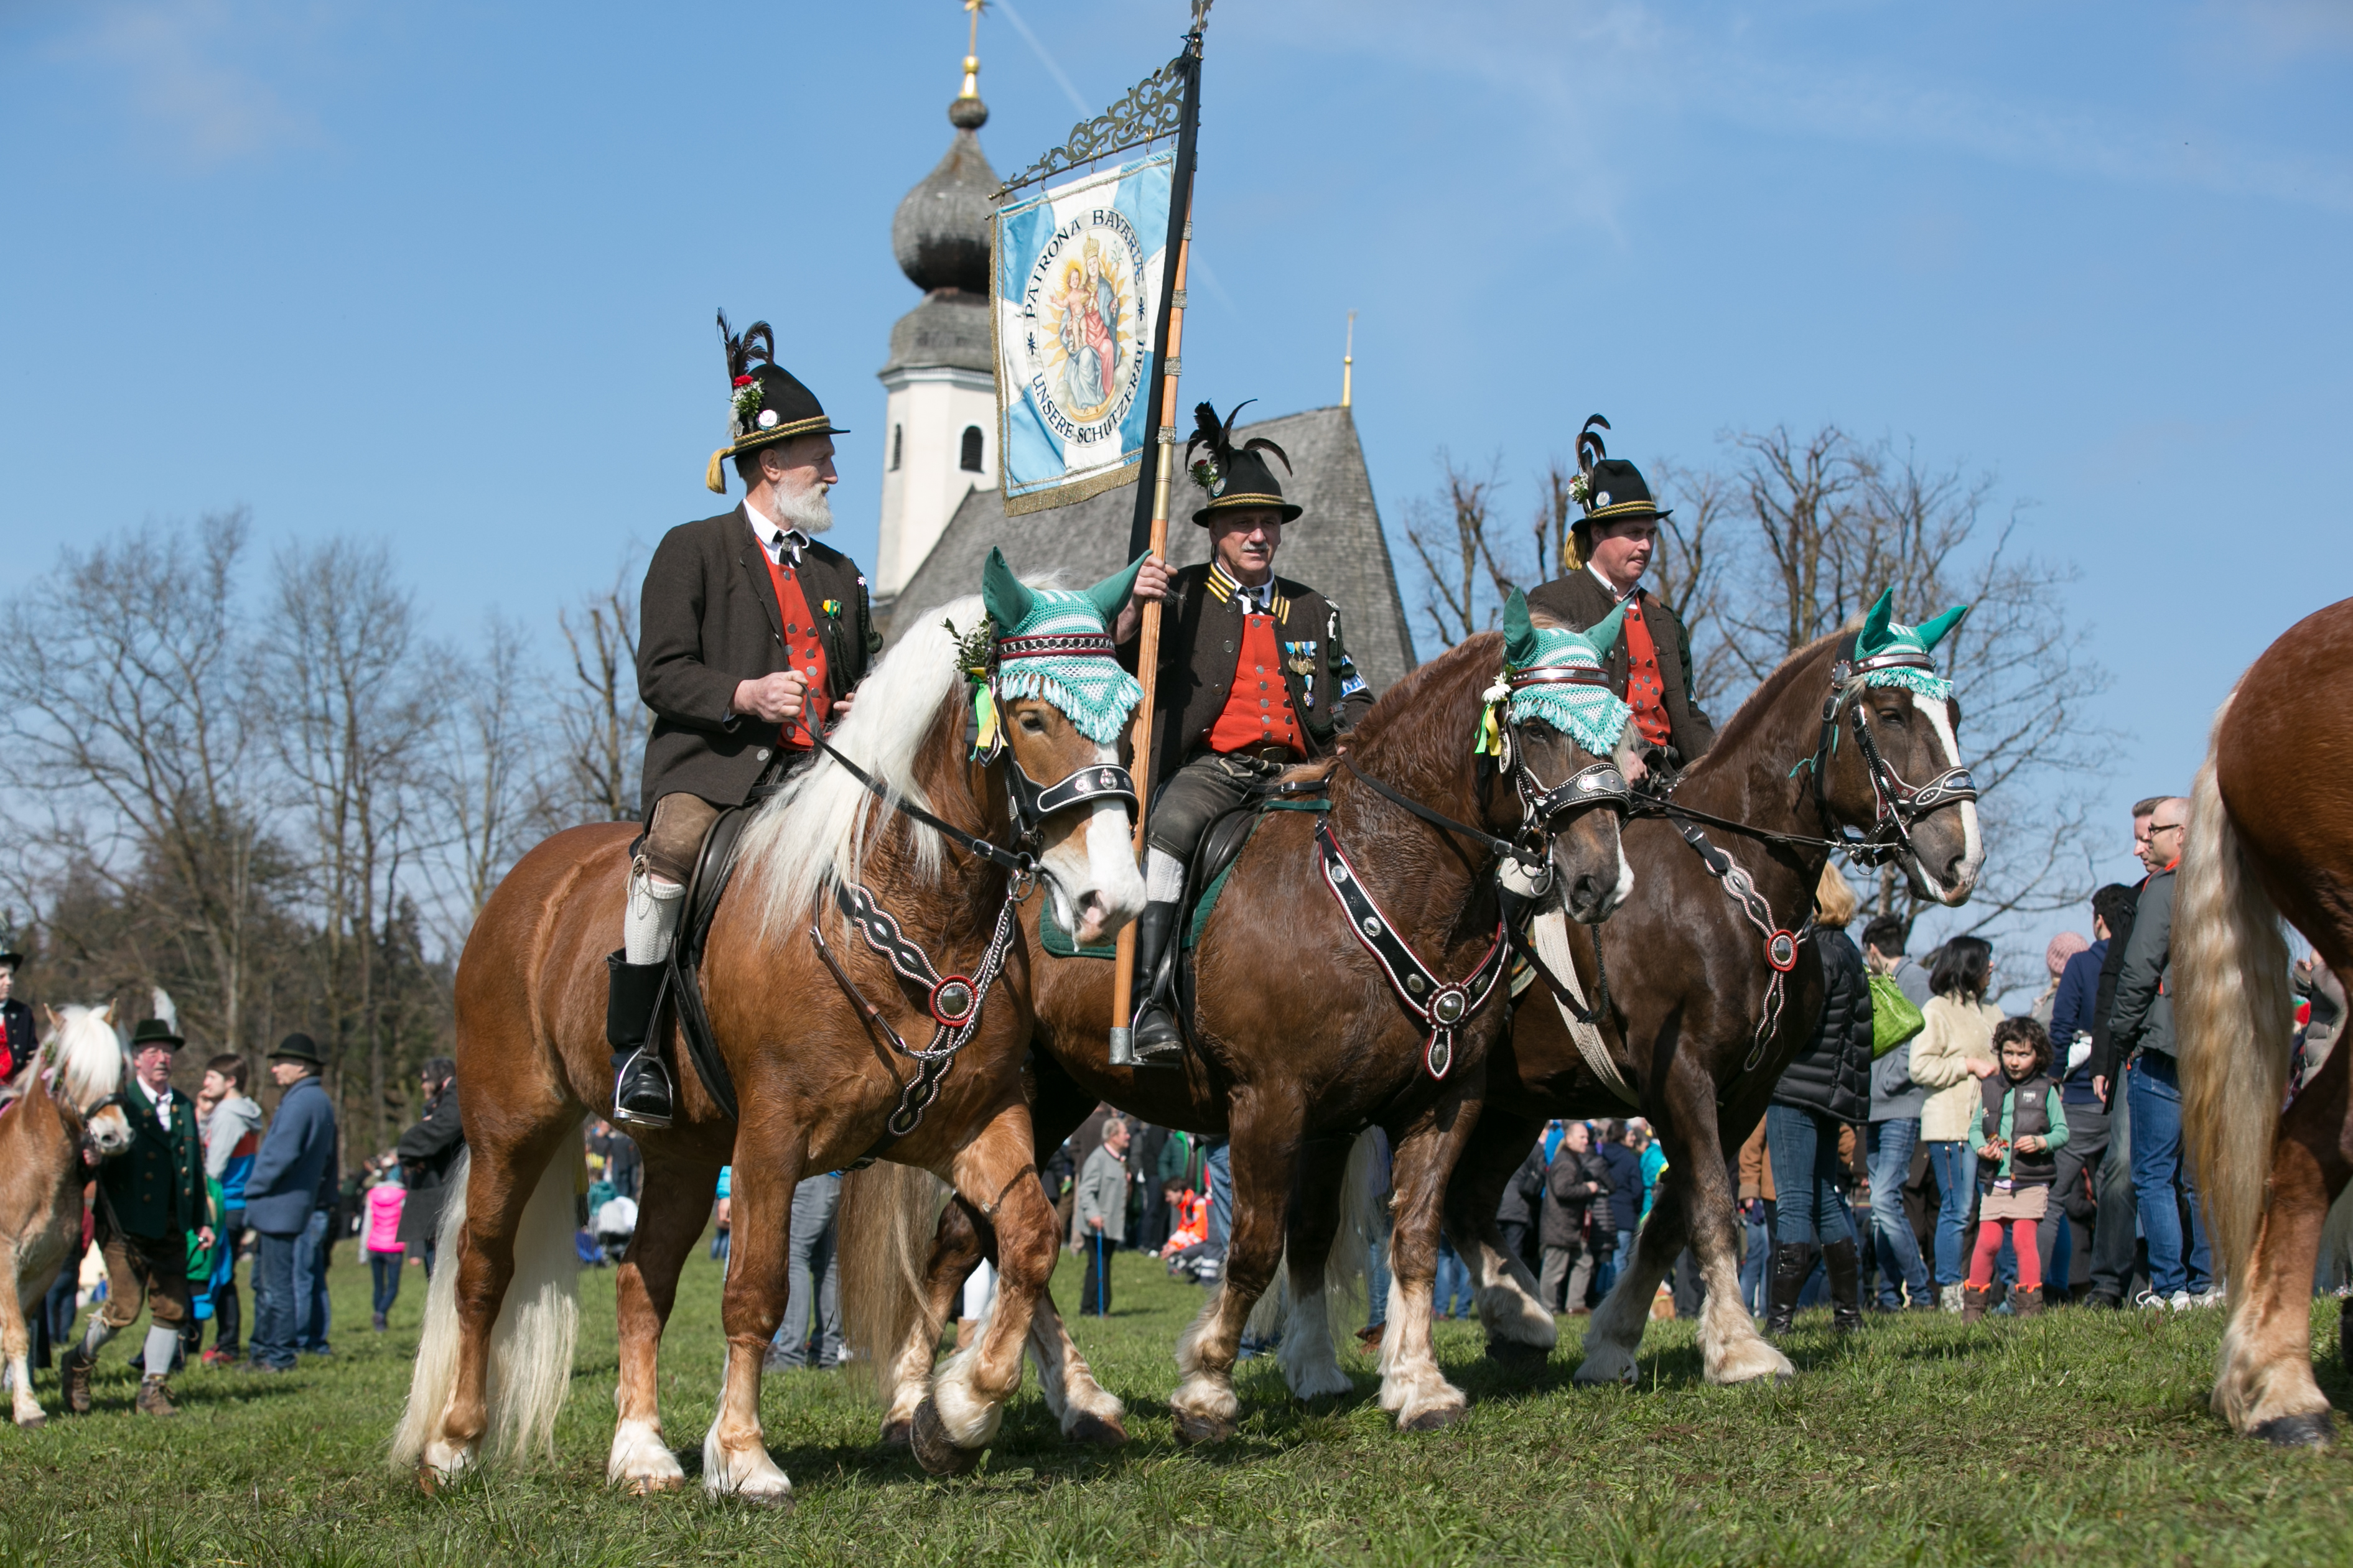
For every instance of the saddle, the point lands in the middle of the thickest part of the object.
(714, 867)
(1228, 835)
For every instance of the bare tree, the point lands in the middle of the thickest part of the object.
(601, 724)
(1449, 536)
(1688, 568)
(130, 726)
(351, 721)
(484, 780)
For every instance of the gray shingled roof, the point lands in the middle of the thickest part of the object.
(1336, 547)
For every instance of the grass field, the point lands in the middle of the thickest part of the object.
(2078, 1438)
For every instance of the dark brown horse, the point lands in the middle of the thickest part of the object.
(2271, 835)
(816, 1084)
(1700, 1018)
(69, 1098)
(1302, 1042)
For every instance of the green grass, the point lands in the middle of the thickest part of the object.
(2076, 1439)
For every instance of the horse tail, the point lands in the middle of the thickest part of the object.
(2233, 1020)
(531, 1346)
(886, 1223)
(1349, 1268)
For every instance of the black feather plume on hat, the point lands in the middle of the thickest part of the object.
(756, 340)
(1220, 438)
(1585, 438)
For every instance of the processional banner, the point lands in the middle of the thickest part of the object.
(1078, 275)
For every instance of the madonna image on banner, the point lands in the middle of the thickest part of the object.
(1077, 285)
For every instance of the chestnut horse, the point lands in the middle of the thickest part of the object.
(1699, 1020)
(71, 1098)
(1302, 1040)
(2271, 835)
(815, 1084)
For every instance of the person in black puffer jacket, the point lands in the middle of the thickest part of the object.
(1516, 1217)
(1827, 1087)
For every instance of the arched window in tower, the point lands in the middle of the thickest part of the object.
(970, 461)
(896, 431)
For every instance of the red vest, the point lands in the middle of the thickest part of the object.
(1258, 708)
(807, 653)
(1645, 692)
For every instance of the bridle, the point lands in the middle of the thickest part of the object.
(1596, 783)
(1031, 803)
(1897, 805)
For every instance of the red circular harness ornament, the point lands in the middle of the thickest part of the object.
(1781, 950)
(951, 1001)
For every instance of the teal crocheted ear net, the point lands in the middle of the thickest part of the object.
(1883, 634)
(1589, 715)
(1094, 692)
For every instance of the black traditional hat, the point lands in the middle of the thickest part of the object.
(154, 1032)
(1235, 477)
(765, 402)
(1615, 490)
(10, 956)
(297, 1047)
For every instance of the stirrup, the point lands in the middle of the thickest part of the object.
(1159, 1041)
(642, 1091)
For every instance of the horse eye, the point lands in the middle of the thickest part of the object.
(1031, 722)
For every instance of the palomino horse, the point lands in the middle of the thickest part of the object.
(1710, 985)
(1303, 1038)
(2271, 835)
(801, 1000)
(70, 1101)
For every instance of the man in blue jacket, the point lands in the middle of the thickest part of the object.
(2082, 1177)
(281, 1197)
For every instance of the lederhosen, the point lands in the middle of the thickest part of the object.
(1244, 692)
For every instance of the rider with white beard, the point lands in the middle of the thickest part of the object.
(752, 638)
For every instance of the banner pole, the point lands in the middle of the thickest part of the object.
(1147, 655)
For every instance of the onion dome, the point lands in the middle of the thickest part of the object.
(940, 234)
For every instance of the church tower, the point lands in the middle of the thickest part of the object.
(939, 436)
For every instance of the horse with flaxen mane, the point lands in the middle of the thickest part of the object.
(70, 1100)
(2271, 838)
(1307, 1032)
(1706, 987)
(848, 926)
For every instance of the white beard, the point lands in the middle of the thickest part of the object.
(807, 509)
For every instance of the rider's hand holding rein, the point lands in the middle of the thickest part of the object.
(1151, 584)
(772, 697)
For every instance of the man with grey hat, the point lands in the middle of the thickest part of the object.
(282, 1200)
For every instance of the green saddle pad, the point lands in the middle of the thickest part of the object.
(1059, 944)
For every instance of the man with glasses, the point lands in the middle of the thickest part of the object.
(2142, 1029)
(2119, 1206)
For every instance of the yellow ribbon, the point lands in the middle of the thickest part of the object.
(714, 477)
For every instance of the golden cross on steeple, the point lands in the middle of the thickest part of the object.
(971, 50)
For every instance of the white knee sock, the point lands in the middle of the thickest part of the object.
(97, 1334)
(163, 1344)
(1164, 877)
(650, 920)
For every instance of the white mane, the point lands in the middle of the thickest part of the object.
(89, 1057)
(815, 829)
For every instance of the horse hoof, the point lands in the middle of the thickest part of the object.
(1086, 1427)
(897, 1433)
(1192, 1428)
(1515, 1356)
(2314, 1430)
(38, 1418)
(932, 1450)
(651, 1485)
(1436, 1418)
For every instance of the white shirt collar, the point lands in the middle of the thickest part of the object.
(776, 542)
(1611, 588)
(160, 1098)
(1261, 596)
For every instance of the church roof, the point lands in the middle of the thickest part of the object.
(1336, 547)
(940, 233)
(947, 327)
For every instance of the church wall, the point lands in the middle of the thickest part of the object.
(924, 418)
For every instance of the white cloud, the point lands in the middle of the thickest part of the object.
(171, 62)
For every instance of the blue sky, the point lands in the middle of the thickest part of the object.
(444, 274)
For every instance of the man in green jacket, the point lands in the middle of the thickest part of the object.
(149, 1201)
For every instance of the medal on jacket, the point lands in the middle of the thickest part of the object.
(1301, 658)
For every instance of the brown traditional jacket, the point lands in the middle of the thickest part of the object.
(1580, 600)
(709, 619)
(1202, 638)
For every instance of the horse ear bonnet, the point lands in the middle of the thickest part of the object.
(1933, 632)
(1111, 595)
(1519, 632)
(1235, 477)
(1874, 634)
(1604, 633)
(1007, 599)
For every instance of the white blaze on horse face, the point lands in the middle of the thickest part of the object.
(1092, 875)
(110, 1132)
(1940, 720)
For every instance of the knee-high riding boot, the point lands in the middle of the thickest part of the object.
(641, 1087)
(1793, 1264)
(1845, 1268)
(1157, 1039)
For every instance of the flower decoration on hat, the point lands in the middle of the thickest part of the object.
(765, 402)
(1557, 675)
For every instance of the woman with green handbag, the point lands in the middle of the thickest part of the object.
(1899, 986)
